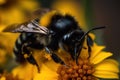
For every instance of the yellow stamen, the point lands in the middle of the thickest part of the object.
(81, 71)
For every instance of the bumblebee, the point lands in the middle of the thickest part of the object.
(61, 31)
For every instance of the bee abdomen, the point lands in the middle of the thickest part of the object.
(23, 38)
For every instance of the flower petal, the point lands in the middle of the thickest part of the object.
(95, 50)
(46, 74)
(107, 69)
(106, 74)
(100, 57)
(25, 72)
(107, 65)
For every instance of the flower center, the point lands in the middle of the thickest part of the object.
(81, 71)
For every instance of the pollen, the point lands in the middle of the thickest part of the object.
(81, 71)
(26, 55)
(47, 56)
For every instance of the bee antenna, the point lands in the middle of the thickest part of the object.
(96, 28)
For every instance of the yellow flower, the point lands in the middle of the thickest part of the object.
(7, 41)
(14, 11)
(92, 67)
(25, 72)
(96, 66)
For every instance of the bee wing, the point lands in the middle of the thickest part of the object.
(41, 12)
(32, 27)
(38, 13)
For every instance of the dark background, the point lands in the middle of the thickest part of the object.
(107, 12)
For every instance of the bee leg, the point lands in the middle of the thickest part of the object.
(56, 58)
(89, 44)
(77, 53)
(27, 53)
(79, 46)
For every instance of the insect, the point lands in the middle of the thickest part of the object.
(62, 32)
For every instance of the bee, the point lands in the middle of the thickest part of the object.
(62, 31)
